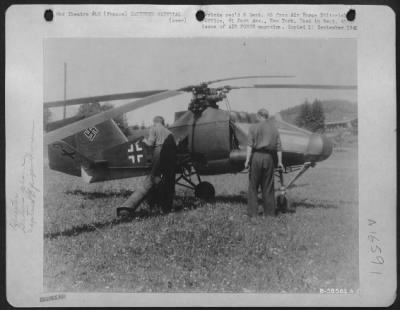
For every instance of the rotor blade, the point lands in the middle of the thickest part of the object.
(76, 127)
(139, 94)
(304, 86)
(249, 77)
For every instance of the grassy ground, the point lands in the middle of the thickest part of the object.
(207, 247)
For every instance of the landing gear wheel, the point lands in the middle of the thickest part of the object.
(124, 213)
(283, 204)
(205, 191)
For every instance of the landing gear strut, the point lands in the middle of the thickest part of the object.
(203, 190)
(282, 201)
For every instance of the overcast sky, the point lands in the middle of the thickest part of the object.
(106, 66)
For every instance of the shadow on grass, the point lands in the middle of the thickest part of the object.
(231, 199)
(191, 202)
(97, 195)
(308, 205)
(294, 204)
(84, 228)
(181, 203)
(242, 197)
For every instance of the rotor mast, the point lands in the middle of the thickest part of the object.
(204, 97)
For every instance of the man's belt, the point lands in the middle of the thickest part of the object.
(264, 151)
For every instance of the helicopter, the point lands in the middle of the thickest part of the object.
(210, 140)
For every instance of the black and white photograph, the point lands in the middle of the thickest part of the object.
(200, 165)
(208, 155)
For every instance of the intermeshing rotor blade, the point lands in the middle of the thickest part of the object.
(132, 95)
(303, 86)
(74, 128)
(249, 77)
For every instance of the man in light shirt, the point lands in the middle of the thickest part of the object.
(264, 144)
(164, 160)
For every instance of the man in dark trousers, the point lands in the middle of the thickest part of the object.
(164, 159)
(159, 185)
(264, 144)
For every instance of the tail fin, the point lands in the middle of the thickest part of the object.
(82, 149)
(94, 140)
(65, 158)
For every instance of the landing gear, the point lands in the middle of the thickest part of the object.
(283, 204)
(203, 190)
(282, 201)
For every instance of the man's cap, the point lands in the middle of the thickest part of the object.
(263, 113)
(159, 119)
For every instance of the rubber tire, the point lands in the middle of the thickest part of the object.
(124, 213)
(282, 204)
(204, 191)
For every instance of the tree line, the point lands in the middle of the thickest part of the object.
(89, 109)
(311, 116)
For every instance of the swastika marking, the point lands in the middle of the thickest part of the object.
(91, 133)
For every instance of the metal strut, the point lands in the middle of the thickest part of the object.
(186, 173)
(303, 169)
(283, 204)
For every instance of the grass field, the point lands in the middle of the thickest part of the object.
(206, 247)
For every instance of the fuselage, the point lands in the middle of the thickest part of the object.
(220, 137)
(216, 140)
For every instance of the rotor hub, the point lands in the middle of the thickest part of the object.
(204, 97)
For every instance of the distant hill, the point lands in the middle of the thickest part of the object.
(334, 110)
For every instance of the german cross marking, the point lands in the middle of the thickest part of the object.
(135, 157)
